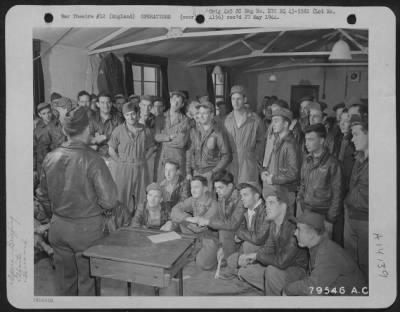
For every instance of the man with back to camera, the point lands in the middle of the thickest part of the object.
(75, 188)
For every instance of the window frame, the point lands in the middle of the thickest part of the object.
(158, 77)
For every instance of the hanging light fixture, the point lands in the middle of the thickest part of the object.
(273, 78)
(340, 51)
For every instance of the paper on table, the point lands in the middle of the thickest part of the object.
(164, 237)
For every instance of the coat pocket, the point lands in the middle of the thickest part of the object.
(322, 194)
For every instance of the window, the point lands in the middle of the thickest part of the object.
(146, 79)
(218, 77)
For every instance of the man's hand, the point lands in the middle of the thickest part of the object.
(203, 221)
(192, 219)
(266, 177)
(172, 136)
(246, 259)
(167, 226)
(237, 239)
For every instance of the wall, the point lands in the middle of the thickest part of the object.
(64, 70)
(192, 79)
(334, 88)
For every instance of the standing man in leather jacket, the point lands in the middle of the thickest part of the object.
(321, 181)
(75, 188)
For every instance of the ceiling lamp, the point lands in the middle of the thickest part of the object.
(340, 51)
(272, 78)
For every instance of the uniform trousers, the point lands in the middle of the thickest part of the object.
(69, 239)
(270, 278)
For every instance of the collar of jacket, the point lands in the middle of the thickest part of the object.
(206, 199)
(176, 181)
(75, 145)
(287, 138)
(250, 116)
(321, 159)
(97, 117)
(359, 156)
(140, 127)
(314, 249)
(233, 195)
(41, 124)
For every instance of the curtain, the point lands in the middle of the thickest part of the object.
(210, 83)
(38, 80)
(92, 73)
(228, 85)
(162, 62)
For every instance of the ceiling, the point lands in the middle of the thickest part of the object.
(250, 48)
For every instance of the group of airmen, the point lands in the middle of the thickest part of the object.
(278, 200)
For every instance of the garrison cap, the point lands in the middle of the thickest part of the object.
(315, 220)
(42, 106)
(238, 89)
(283, 112)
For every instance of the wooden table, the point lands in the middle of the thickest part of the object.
(128, 255)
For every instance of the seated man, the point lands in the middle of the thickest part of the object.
(174, 186)
(280, 261)
(331, 268)
(154, 213)
(186, 213)
(253, 229)
(229, 214)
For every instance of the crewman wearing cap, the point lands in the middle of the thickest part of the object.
(148, 120)
(332, 270)
(357, 199)
(209, 150)
(76, 187)
(172, 132)
(280, 261)
(282, 166)
(146, 116)
(304, 111)
(317, 116)
(246, 135)
(42, 139)
(153, 213)
(134, 99)
(321, 181)
(128, 145)
(158, 106)
(119, 101)
(338, 109)
(102, 124)
(253, 229)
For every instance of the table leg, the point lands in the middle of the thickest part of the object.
(97, 286)
(180, 277)
(156, 291)
(129, 289)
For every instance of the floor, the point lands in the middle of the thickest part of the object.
(196, 283)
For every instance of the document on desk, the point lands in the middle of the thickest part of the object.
(164, 237)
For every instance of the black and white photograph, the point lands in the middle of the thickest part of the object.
(192, 158)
